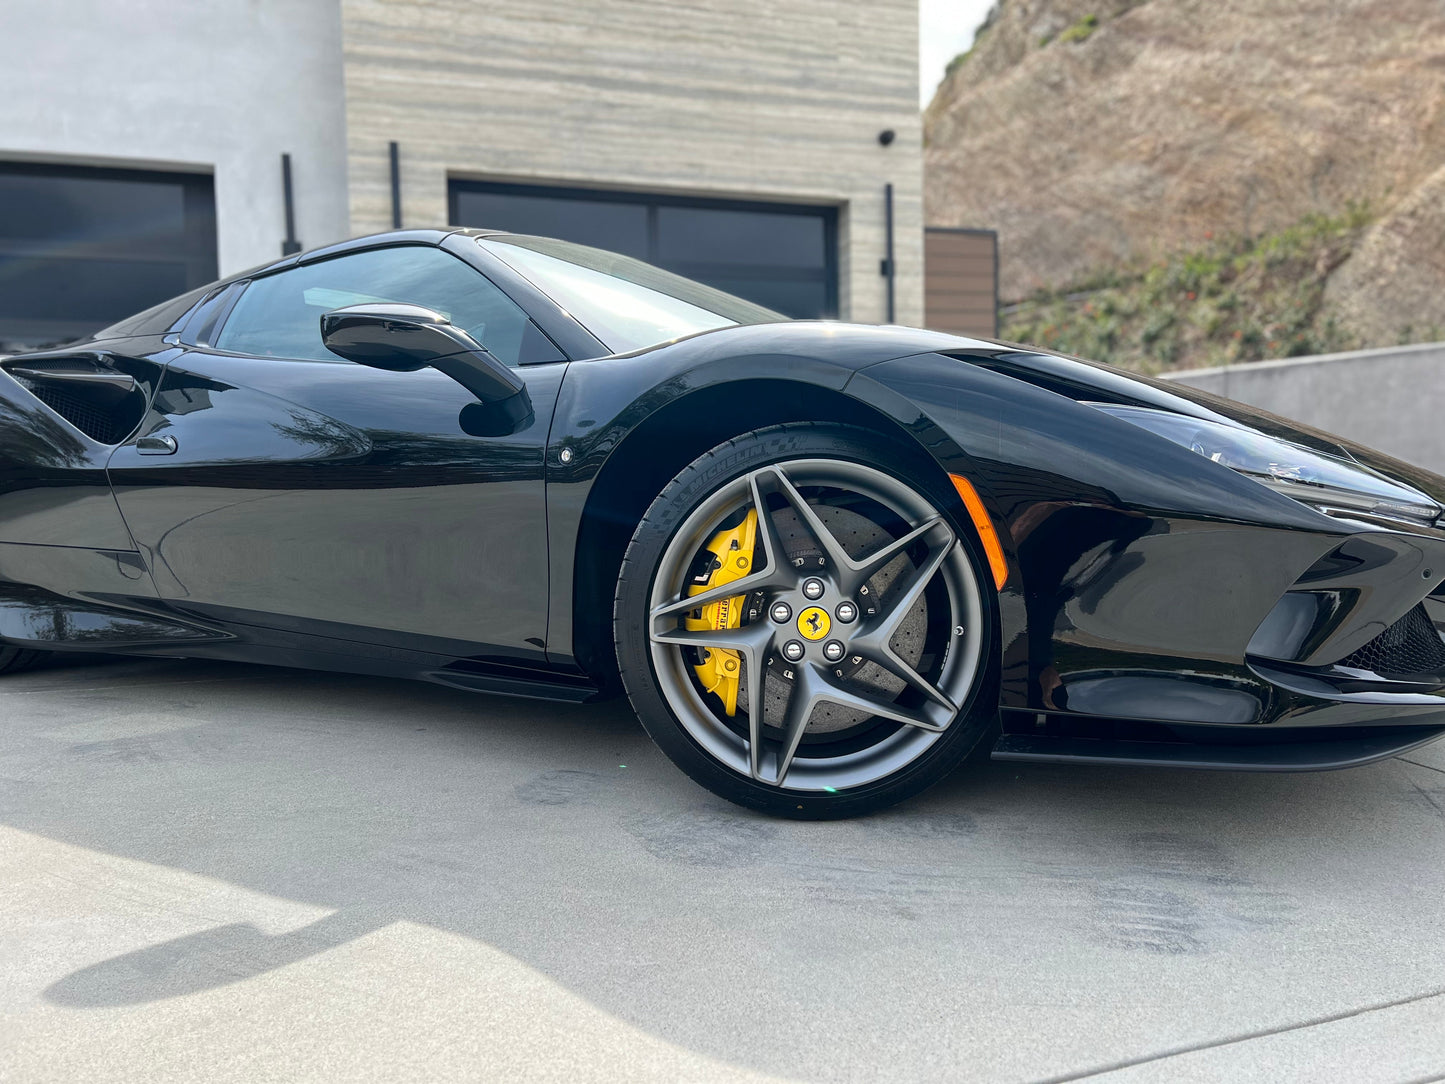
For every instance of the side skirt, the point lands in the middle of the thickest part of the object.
(32, 617)
(1295, 756)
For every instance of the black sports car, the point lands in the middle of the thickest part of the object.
(823, 560)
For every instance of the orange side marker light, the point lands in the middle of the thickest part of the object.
(987, 535)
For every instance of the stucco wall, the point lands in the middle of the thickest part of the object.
(221, 86)
(1392, 399)
(755, 98)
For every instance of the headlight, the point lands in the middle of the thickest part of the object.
(1323, 481)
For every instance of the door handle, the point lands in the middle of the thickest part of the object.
(164, 444)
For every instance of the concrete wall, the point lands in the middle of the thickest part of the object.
(1392, 399)
(220, 86)
(750, 98)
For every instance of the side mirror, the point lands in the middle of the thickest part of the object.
(404, 338)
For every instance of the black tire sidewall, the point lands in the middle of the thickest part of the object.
(690, 488)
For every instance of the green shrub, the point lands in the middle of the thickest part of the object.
(1081, 30)
(1226, 300)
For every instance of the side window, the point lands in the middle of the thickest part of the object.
(280, 315)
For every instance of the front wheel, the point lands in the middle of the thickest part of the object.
(803, 631)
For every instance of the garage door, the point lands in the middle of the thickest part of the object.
(82, 248)
(783, 256)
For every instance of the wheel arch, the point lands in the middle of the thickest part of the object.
(660, 446)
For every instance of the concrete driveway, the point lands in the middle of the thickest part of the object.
(219, 872)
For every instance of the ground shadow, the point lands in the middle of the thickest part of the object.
(559, 835)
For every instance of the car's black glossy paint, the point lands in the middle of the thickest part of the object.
(333, 515)
(1144, 570)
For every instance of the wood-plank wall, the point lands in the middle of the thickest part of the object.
(960, 280)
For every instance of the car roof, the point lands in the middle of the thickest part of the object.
(359, 244)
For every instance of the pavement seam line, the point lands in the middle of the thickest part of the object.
(1247, 1037)
(1417, 764)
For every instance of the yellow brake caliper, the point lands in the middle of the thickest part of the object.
(732, 552)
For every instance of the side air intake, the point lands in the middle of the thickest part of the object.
(87, 391)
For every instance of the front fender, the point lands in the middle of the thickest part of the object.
(1138, 570)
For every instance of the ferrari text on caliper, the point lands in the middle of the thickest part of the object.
(732, 559)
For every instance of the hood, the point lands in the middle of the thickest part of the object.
(1093, 381)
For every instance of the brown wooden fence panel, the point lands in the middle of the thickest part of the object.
(960, 280)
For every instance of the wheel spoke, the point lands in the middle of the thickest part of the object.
(887, 622)
(768, 531)
(870, 566)
(835, 694)
(774, 574)
(801, 702)
(811, 688)
(852, 574)
(896, 665)
(833, 551)
(751, 639)
(757, 678)
(732, 589)
(872, 641)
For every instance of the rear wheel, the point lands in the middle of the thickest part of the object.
(803, 631)
(15, 659)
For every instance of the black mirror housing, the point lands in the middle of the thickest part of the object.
(396, 337)
(403, 338)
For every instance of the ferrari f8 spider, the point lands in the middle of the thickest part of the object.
(823, 560)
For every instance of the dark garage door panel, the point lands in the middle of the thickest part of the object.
(81, 248)
(779, 255)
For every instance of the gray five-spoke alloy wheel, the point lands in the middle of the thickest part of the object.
(861, 637)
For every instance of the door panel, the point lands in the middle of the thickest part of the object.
(343, 500)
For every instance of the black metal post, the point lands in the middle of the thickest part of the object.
(888, 259)
(395, 188)
(290, 244)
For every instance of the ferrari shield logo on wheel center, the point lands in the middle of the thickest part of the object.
(814, 623)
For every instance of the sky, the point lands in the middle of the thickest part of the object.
(945, 29)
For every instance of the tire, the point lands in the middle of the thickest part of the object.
(862, 705)
(15, 659)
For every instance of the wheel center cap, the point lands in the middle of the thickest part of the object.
(814, 623)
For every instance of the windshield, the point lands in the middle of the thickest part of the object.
(625, 303)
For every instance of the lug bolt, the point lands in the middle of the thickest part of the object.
(793, 650)
(834, 650)
(846, 612)
(813, 588)
(780, 612)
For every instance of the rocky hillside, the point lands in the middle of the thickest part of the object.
(1108, 140)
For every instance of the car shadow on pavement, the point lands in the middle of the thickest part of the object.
(203, 961)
